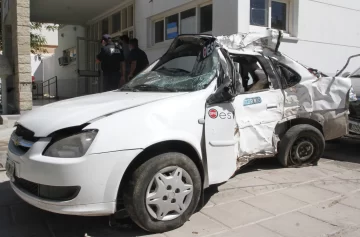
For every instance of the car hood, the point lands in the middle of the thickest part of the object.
(78, 111)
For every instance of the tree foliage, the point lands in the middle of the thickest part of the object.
(38, 41)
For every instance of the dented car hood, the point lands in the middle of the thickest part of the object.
(78, 111)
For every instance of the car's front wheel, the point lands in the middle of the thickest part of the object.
(163, 192)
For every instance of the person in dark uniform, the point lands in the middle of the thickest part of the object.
(138, 59)
(126, 50)
(112, 62)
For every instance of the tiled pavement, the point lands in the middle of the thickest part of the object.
(263, 200)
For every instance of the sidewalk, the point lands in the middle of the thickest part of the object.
(263, 200)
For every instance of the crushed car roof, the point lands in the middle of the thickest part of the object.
(251, 42)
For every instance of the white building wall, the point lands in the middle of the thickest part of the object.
(323, 33)
(67, 75)
(50, 36)
(44, 68)
(328, 33)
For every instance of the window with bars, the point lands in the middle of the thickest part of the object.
(184, 22)
(105, 26)
(116, 22)
(270, 13)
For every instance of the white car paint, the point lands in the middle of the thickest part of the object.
(130, 122)
(81, 110)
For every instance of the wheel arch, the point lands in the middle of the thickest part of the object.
(283, 127)
(297, 121)
(159, 148)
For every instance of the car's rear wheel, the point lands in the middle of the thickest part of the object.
(301, 145)
(163, 192)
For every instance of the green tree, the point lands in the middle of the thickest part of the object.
(37, 41)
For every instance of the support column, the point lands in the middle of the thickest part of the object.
(21, 54)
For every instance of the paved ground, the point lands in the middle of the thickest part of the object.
(263, 200)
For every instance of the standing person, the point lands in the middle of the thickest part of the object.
(137, 58)
(125, 45)
(126, 50)
(112, 62)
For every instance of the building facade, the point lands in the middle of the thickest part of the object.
(318, 33)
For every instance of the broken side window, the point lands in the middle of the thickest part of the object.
(288, 76)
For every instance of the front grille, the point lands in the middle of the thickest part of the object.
(51, 193)
(28, 186)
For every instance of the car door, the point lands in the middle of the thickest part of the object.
(220, 142)
(220, 128)
(257, 112)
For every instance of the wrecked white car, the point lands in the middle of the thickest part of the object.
(190, 120)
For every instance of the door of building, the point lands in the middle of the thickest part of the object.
(89, 75)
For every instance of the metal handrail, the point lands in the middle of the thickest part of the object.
(47, 84)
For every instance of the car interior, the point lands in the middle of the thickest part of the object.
(253, 77)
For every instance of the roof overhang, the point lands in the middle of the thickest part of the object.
(75, 12)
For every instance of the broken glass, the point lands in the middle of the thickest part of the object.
(182, 68)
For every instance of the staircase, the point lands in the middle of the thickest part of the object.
(47, 90)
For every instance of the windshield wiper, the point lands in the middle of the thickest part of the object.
(152, 88)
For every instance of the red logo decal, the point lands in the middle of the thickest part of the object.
(213, 113)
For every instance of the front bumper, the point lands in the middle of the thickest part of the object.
(98, 177)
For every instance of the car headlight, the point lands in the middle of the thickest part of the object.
(73, 146)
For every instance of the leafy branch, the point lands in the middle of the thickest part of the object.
(37, 41)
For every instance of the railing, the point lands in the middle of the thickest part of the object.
(46, 86)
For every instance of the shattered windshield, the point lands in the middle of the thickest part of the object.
(187, 66)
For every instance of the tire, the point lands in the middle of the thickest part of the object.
(302, 145)
(141, 188)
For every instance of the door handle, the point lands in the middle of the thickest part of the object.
(271, 106)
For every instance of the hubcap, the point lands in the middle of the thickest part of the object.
(169, 193)
(302, 149)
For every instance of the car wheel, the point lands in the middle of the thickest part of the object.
(163, 192)
(301, 145)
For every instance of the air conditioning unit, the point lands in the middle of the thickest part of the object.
(63, 61)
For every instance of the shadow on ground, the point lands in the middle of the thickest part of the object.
(18, 219)
(346, 149)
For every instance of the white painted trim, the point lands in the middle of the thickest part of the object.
(162, 16)
(113, 10)
(185, 7)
